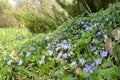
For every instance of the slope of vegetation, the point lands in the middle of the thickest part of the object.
(74, 51)
(11, 37)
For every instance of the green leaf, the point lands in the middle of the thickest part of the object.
(70, 77)
(59, 72)
(29, 73)
(108, 73)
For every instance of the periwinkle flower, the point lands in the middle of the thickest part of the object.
(47, 38)
(98, 33)
(92, 64)
(104, 53)
(20, 62)
(9, 62)
(50, 52)
(82, 60)
(60, 54)
(87, 27)
(87, 68)
(73, 63)
(69, 47)
(58, 45)
(96, 52)
(57, 48)
(89, 45)
(64, 42)
(41, 61)
(98, 61)
(81, 22)
(65, 46)
(95, 25)
(65, 55)
(28, 54)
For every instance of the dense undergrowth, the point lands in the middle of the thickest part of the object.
(74, 51)
(11, 37)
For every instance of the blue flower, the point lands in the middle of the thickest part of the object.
(73, 63)
(28, 53)
(95, 25)
(64, 42)
(104, 53)
(65, 55)
(41, 61)
(96, 52)
(9, 62)
(87, 27)
(81, 22)
(92, 64)
(87, 68)
(69, 47)
(98, 33)
(65, 46)
(47, 38)
(98, 61)
(60, 54)
(82, 60)
(89, 45)
(20, 62)
(50, 52)
(57, 45)
(57, 49)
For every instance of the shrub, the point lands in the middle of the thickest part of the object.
(39, 24)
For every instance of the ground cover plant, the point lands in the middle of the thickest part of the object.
(74, 51)
(11, 37)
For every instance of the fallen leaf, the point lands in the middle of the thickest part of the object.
(108, 45)
(76, 71)
(14, 55)
(116, 34)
